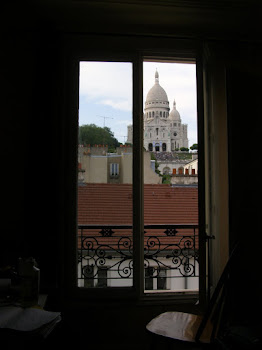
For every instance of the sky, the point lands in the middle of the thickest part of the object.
(105, 93)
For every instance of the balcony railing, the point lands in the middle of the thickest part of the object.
(105, 256)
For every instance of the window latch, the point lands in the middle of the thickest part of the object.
(209, 237)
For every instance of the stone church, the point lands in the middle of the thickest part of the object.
(163, 131)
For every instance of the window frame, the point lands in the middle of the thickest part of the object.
(76, 51)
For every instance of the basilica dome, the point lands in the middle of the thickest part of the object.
(174, 114)
(156, 93)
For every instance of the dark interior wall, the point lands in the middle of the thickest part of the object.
(29, 152)
(32, 84)
(244, 93)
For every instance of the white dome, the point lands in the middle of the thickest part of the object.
(174, 114)
(156, 93)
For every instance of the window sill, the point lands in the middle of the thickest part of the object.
(83, 297)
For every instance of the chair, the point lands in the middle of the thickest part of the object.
(198, 329)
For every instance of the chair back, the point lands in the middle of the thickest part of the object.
(218, 304)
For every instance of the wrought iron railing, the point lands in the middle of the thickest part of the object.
(105, 255)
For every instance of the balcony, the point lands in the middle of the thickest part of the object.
(105, 256)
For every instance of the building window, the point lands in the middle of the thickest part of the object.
(155, 278)
(166, 170)
(149, 272)
(102, 277)
(150, 147)
(114, 169)
(161, 279)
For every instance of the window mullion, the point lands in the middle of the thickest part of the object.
(201, 187)
(138, 176)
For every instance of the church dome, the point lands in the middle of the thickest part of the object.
(174, 114)
(157, 93)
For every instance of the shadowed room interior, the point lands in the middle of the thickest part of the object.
(41, 42)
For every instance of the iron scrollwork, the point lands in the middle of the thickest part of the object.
(172, 249)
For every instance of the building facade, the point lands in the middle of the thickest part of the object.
(96, 165)
(163, 131)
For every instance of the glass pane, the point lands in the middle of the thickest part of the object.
(170, 177)
(105, 242)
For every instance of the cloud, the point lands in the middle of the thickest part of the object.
(106, 80)
(123, 105)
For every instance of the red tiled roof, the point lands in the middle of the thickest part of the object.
(111, 204)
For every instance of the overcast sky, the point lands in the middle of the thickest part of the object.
(106, 93)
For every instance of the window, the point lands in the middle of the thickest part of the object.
(155, 278)
(114, 169)
(170, 266)
(102, 277)
(161, 279)
(118, 248)
(149, 272)
(105, 208)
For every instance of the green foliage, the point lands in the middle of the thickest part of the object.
(166, 179)
(194, 146)
(156, 164)
(91, 134)
(184, 149)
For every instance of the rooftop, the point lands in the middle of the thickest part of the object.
(111, 204)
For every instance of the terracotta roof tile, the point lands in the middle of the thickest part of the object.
(112, 204)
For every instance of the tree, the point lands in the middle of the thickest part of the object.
(153, 157)
(184, 149)
(91, 134)
(194, 146)
(166, 179)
